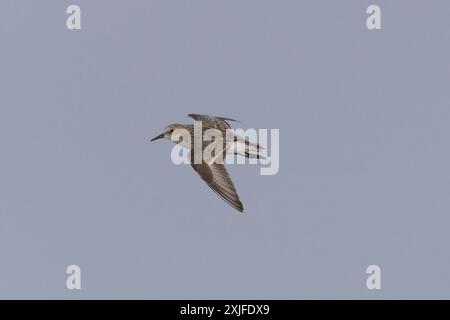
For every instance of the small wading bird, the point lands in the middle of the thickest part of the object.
(212, 170)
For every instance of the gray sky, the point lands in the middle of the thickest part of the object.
(364, 151)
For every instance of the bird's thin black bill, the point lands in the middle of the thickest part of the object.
(158, 137)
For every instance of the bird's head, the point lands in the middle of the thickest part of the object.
(169, 130)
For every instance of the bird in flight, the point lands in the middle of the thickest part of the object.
(212, 169)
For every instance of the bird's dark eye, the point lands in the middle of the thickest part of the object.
(171, 130)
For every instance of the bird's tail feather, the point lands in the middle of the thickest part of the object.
(248, 149)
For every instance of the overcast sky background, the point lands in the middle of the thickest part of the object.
(364, 153)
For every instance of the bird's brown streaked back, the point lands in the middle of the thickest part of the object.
(214, 122)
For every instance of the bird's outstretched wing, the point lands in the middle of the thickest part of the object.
(212, 121)
(217, 178)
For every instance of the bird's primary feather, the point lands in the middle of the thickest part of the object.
(217, 178)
